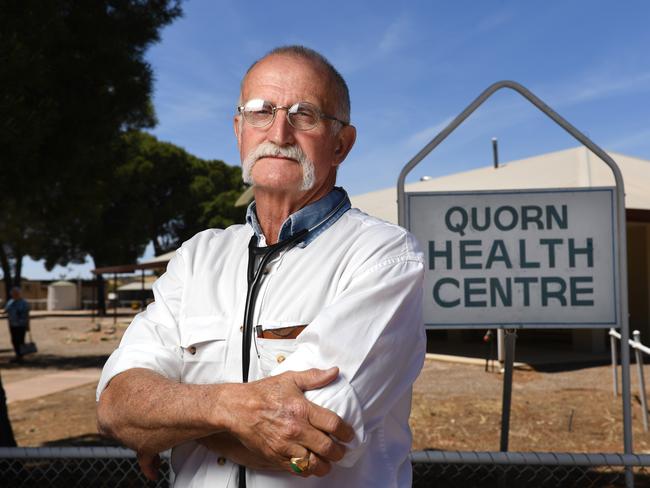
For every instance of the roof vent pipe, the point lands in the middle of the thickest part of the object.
(495, 152)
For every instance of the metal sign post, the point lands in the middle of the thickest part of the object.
(510, 339)
(620, 290)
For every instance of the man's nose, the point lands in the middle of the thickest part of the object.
(281, 132)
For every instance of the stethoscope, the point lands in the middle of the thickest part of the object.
(258, 259)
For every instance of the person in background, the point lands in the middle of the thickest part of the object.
(17, 310)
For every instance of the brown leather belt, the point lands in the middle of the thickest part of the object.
(281, 333)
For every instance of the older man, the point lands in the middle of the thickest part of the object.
(316, 304)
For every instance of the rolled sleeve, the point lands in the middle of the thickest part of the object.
(152, 341)
(373, 333)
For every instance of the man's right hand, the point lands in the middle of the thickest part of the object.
(272, 418)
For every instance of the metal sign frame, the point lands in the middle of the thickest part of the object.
(620, 223)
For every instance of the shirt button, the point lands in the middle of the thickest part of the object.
(280, 358)
(241, 328)
(221, 461)
(191, 350)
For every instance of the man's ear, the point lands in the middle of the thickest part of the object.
(345, 140)
(236, 121)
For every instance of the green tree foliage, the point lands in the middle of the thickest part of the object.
(73, 79)
(162, 194)
(216, 187)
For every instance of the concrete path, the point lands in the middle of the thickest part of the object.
(45, 384)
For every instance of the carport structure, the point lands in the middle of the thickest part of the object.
(156, 263)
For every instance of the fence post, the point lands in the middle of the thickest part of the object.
(639, 364)
(612, 344)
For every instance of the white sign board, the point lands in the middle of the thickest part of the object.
(528, 258)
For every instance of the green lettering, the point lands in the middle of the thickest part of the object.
(553, 215)
(574, 281)
(525, 283)
(558, 293)
(504, 295)
(514, 218)
(486, 219)
(498, 252)
(436, 293)
(465, 253)
(588, 251)
(551, 243)
(433, 254)
(522, 256)
(470, 291)
(531, 214)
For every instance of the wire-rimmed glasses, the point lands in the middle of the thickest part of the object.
(301, 115)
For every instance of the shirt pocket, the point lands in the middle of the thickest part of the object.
(204, 342)
(273, 352)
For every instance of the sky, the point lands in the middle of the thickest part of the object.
(411, 68)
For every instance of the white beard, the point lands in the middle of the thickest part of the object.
(270, 149)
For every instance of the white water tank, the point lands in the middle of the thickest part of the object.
(62, 295)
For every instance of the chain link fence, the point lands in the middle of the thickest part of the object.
(118, 467)
(447, 469)
(76, 466)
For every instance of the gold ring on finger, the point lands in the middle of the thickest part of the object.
(300, 465)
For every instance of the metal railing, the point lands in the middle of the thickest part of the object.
(117, 467)
(639, 350)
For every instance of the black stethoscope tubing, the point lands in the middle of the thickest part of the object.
(258, 258)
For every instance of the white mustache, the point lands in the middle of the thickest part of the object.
(268, 148)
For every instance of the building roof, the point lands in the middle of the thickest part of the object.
(136, 285)
(62, 284)
(158, 262)
(577, 167)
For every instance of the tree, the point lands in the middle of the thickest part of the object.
(158, 193)
(171, 195)
(218, 186)
(73, 80)
(162, 194)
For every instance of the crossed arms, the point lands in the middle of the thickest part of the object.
(303, 405)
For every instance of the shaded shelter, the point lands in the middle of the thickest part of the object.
(156, 263)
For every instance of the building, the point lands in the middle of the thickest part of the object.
(576, 167)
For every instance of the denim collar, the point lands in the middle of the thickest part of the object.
(319, 215)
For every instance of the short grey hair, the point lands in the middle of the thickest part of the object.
(340, 87)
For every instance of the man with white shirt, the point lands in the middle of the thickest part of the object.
(316, 379)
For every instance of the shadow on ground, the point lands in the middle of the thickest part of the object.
(85, 440)
(44, 361)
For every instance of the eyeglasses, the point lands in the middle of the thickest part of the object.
(301, 115)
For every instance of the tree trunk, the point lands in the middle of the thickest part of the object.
(18, 269)
(157, 249)
(101, 296)
(6, 272)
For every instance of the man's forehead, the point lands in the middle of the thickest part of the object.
(287, 72)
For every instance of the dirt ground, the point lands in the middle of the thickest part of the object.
(64, 343)
(455, 406)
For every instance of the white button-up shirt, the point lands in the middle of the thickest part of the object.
(358, 288)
